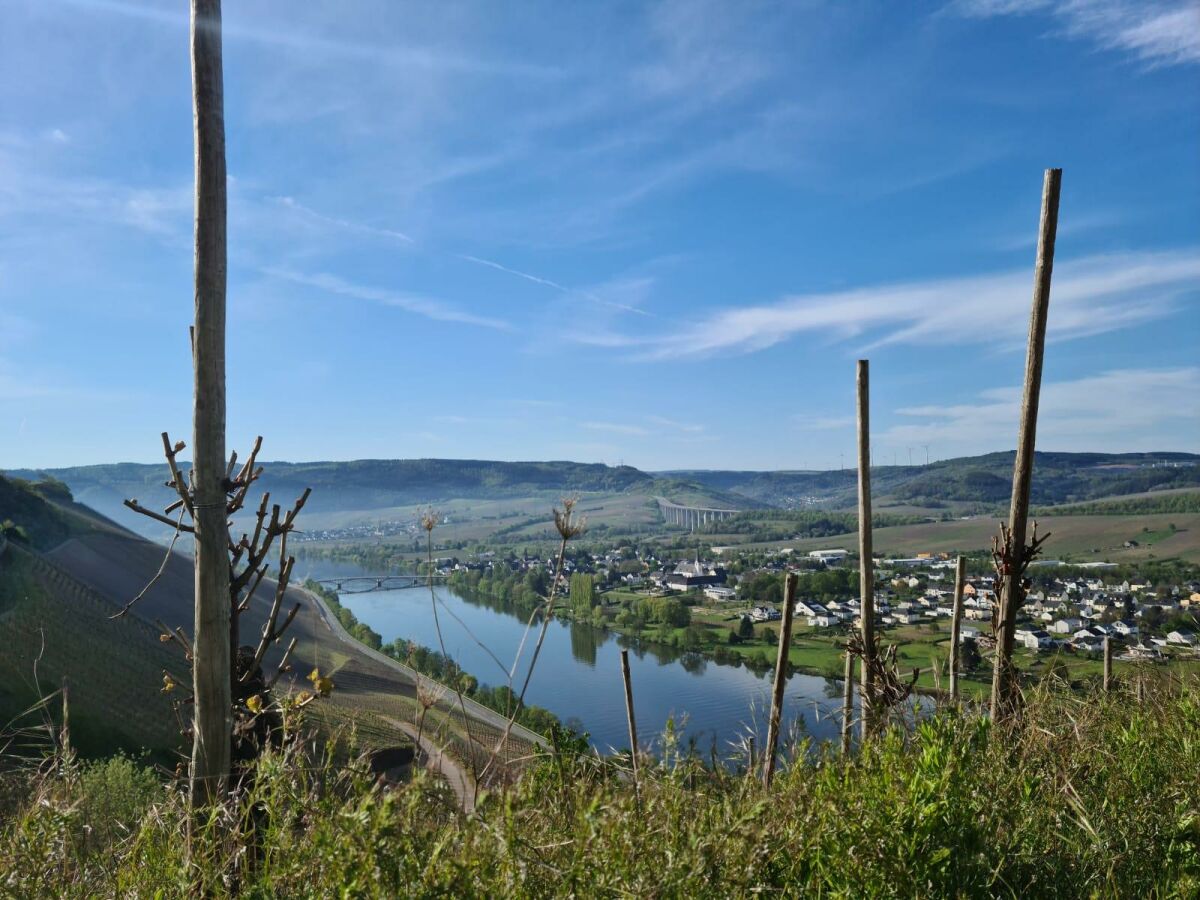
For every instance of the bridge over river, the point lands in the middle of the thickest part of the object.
(691, 517)
(362, 584)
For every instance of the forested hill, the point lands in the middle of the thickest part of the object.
(380, 484)
(1058, 478)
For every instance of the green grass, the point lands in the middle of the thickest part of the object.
(1089, 796)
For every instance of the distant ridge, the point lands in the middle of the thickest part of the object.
(369, 484)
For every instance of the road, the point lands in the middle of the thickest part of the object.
(436, 758)
(475, 710)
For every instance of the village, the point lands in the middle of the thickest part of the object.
(1074, 609)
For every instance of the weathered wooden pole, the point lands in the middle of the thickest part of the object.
(1013, 590)
(1107, 664)
(633, 739)
(848, 703)
(781, 667)
(866, 563)
(65, 731)
(211, 673)
(960, 583)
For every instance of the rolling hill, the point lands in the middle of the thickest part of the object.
(64, 572)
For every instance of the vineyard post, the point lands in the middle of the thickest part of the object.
(866, 563)
(633, 739)
(960, 583)
(781, 667)
(1013, 589)
(1107, 664)
(211, 671)
(848, 703)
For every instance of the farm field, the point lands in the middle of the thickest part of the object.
(1074, 538)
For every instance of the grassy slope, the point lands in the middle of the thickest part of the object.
(1084, 797)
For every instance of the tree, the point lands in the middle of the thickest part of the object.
(745, 629)
(582, 594)
(971, 658)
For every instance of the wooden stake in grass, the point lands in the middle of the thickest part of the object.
(1012, 593)
(781, 667)
(960, 583)
(866, 564)
(848, 703)
(212, 669)
(633, 739)
(1107, 664)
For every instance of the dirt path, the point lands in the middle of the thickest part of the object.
(442, 762)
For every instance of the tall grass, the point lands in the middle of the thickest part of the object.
(1083, 796)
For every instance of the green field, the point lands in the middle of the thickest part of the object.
(1074, 538)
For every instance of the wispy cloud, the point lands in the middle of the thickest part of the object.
(394, 54)
(616, 428)
(422, 306)
(1121, 409)
(1156, 33)
(546, 282)
(311, 215)
(1090, 296)
(663, 421)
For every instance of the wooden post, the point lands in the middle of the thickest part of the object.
(848, 703)
(960, 583)
(1107, 664)
(633, 739)
(211, 673)
(65, 732)
(1012, 591)
(781, 666)
(866, 563)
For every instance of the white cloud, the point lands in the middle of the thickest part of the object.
(1154, 32)
(1089, 296)
(1117, 410)
(422, 306)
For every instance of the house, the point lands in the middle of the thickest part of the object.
(1125, 629)
(810, 608)
(693, 574)
(1183, 638)
(1035, 640)
(823, 621)
(968, 634)
(1143, 651)
(765, 614)
(1066, 626)
(719, 592)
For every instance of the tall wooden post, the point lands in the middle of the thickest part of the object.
(1107, 664)
(633, 738)
(848, 703)
(64, 733)
(960, 583)
(866, 566)
(211, 674)
(781, 667)
(1013, 591)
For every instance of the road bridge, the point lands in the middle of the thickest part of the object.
(691, 517)
(363, 584)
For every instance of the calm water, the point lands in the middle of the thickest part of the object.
(578, 674)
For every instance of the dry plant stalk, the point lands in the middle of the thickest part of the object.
(1011, 566)
(889, 687)
(255, 715)
(568, 526)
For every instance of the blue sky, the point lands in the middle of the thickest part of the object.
(651, 233)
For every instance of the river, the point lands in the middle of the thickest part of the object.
(578, 673)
